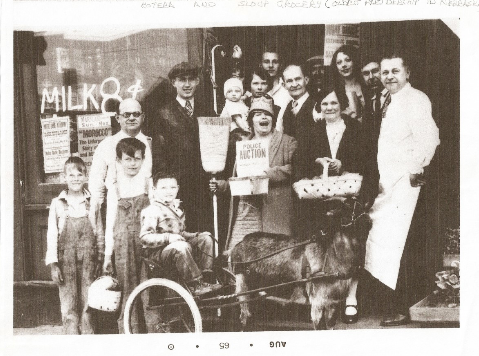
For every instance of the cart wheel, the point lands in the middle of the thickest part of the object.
(167, 308)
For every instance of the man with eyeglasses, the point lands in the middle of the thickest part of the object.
(177, 148)
(103, 168)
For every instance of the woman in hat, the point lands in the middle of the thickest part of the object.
(271, 212)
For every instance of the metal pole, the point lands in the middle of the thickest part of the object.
(213, 76)
(215, 219)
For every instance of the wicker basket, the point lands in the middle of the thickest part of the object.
(346, 185)
(248, 185)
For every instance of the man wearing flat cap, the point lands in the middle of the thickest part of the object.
(177, 148)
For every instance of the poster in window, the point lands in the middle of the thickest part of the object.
(338, 35)
(56, 142)
(92, 129)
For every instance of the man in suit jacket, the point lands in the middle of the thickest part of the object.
(176, 147)
(372, 124)
(298, 116)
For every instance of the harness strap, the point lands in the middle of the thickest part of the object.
(312, 240)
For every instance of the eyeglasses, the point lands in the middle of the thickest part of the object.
(126, 115)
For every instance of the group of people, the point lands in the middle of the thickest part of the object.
(369, 120)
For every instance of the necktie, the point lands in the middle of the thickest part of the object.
(386, 104)
(294, 105)
(377, 104)
(189, 108)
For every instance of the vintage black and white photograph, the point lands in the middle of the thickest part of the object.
(262, 177)
(246, 178)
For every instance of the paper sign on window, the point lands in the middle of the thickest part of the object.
(56, 143)
(92, 129)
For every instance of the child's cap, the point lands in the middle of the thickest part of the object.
(233, 82)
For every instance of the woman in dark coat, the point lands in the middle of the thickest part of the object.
(337, 141)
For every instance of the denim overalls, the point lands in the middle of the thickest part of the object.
(77, 256)
(126, 234)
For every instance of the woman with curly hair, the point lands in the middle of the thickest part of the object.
(347, 80)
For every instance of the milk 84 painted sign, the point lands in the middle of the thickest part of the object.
(86, 98)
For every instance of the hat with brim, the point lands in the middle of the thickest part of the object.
(261, 104)
(182, 69)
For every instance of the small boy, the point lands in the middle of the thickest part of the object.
(75, 245)
(163, 233)
(234, 105)
(127, 197)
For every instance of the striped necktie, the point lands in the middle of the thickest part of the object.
(189, 108)
(294, 105)
(386, 104)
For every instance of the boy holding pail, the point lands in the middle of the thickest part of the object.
(75, 246)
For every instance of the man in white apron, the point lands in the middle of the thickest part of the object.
(407, 141)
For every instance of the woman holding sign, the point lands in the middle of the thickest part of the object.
(271, 212)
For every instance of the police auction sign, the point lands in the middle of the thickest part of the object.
(92, 129)
(56, 143)
(252, 158)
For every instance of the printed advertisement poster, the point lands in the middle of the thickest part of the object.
(252, 158)
(56, 143)
(337, 35)
(92, 129)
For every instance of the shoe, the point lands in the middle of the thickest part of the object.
(202, 288)
(350, 319)
(394, 320)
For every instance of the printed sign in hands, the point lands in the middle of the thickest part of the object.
(252, 158)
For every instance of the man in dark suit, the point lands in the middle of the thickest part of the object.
(372, 123)
(176, 147)
(298, 115)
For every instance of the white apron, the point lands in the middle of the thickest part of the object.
(391, 215)
(392, 211)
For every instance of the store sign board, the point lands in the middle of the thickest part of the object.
(92, 129)
(56, 143)
(252, 158)
(338, 35)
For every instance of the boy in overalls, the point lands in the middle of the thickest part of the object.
(183, 254)
(127, 198)
(74, 245)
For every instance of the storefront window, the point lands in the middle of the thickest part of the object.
(85, 74)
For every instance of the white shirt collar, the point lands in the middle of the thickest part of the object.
(301, 101)
(183, 101)
(384, 93)
(404, 90)
(64, 194)
(122, 134)
(275, 89)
